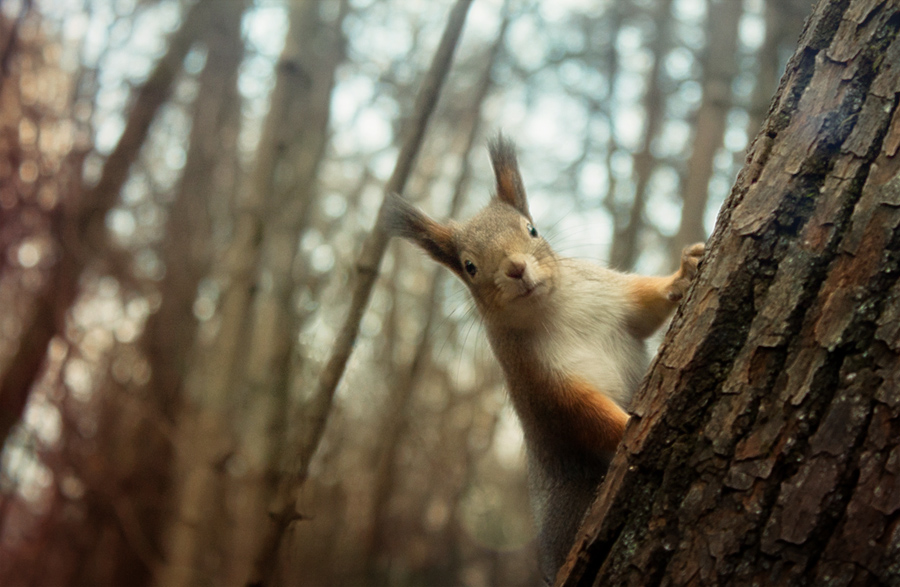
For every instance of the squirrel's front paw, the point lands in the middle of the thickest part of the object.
(690, 258)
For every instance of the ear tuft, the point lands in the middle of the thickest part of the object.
(406, 221)
(510, 188)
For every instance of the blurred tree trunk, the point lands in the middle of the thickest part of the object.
(9, 40)
(117, 537)
(36, 322)
(611, 66)
(626, 244)
(395, 417)
(26, 292)
(408, 378)
(369, 260)
(209, 174)
(130, 503)
(283, 508)
(784, 21)
(719, 69)
(763, 447)
(298, 132)
(80, 226)
(257, 318)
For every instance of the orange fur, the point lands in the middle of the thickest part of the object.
(568, 413)
(650, 301)
(595, 421)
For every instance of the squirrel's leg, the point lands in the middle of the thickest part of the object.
(654, 298)
(595, 422)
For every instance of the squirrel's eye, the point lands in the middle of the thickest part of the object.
(532, 230)
(471, 269)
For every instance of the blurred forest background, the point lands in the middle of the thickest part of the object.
(184, 190)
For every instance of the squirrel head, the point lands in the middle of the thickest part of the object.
(499, 253)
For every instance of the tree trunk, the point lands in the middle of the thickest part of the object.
(764, 443)
(209, 173)
(626, 244)
(282, 510)
(395, 420)
(709, 130)
(79, 226)
(313, 51)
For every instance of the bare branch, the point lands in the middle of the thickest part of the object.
(369, 260)
(368, 263)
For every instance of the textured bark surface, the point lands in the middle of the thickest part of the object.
(765, 445)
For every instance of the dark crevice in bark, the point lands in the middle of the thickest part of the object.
(828, 25)
(666, 473)
(805, 63)
(849, 357)
(791, 219)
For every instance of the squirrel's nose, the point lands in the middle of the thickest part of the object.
(515, 268)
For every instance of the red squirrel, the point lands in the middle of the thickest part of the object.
(568, 334)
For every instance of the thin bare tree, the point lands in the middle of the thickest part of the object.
(316, 413)
(719, 69)
(626, 243)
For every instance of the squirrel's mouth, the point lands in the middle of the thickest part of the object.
(530, 290)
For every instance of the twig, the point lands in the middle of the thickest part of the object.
(369, 260)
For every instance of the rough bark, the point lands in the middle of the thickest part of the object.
(763, 447)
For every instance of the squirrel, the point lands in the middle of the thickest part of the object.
(568, 334)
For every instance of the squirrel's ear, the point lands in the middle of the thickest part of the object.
(509, 182)
(405, 220)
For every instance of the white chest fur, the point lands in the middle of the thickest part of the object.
(585, 336)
